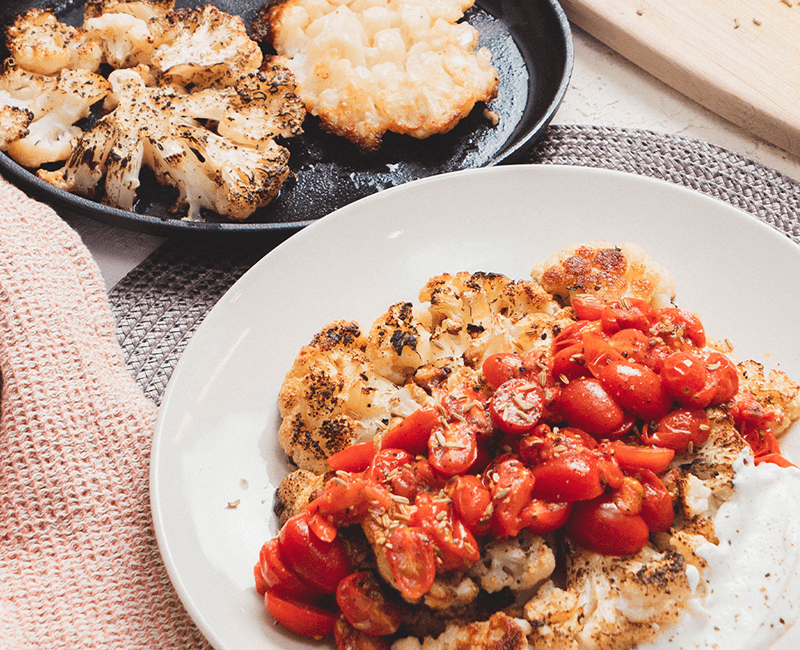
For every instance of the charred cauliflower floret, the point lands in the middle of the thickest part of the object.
(610, 603)
(365, 68)
(205, 47)
(40, 43)
(519, 563)
(775, 393)
(332, 397)
(53, 104)
(606, 272)
(151, 126)
(142, 9)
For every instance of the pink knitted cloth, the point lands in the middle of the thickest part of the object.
(79, 563)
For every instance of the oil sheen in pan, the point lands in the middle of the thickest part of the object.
(531, 50)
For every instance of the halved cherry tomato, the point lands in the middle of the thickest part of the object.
(569, 363)
(598, 353)
(412, 561)
(412, 433)
(301, 618)
(636, 389)
(517, 406)
(410, 480)
(502, 366)
(355, 458)
(678, 429)
(679, 329)
(543, 517)
(633, 345)
(511, 485)
(657, 509)
(572, 476)
(318, 562)
(349, 638)
(385, 462)
(634, 314)
(587, 307)
(724, 376)
(472, 501)
(573, 333)
(467, 405)
(280, 578)
(585, 404)
(686, 378)
(365, 605)
(600, 526)
(453, 449)
(453, 539)
(344, 502)
(632, 458)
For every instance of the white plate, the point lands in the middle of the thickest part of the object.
(216, 437)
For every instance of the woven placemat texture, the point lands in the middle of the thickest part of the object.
(160, 304)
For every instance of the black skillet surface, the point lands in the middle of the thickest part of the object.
(531, 48)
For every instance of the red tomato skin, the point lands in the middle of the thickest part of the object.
(365, 606)
(301, 618)
(412, 561)
(385, 462)
(636, 389)
(633, 345)
(505, 411)
(685, 377)
(724, 377)
(585, 404)
(657, 510)
(572, 476)
(599, 526)
(679, 328)
(355, 458)
(617, 318)
(282, 580)
(467, 405)
(418, 477)
(502, 366)
(471, 500)
(321, 563)
(633, 458)
(569, 363)
(587, 308)
(679, 428)
(511, 486)
(544, 517)
(449, 460)
(261, 585)
(412, 433)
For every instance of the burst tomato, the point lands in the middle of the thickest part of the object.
(412, 433)
(472, 501)
(585, 404)
(679, 429)
(637, 389)
(412, 561)
(657, 509)
(517, 406)
(600, 526)
(364, 604)
(301, 618)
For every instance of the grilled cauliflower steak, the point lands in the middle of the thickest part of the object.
(606, 272)
(190, 96)
(365, 68)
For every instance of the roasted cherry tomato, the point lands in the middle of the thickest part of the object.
(412, 560)
(724, 377)
(355, 458)
(418, 477)
(657, 509)
(685, 377)
(261, 584)
(574, 475)
(542, 517)
(318, 562)
(632, 458)
(587, 307)
(456, 544)
(364, 604)
(502, 366)
(679, 329)
(600, 526)
(598, 353)
(637, 389)
(511, 486)
(679, 429)
(453, 449)
(412, 433)
(472, 501)
(385, 462)
(301, 618)
(344, 502)
(632, 314)
(280, 578)
(569, 363)
(587, 405)
(633, 345)
(468, 406)
(517, 406)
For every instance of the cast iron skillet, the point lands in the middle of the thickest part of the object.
(531, 46)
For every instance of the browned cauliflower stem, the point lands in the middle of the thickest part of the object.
(348, 386)
(190, 97)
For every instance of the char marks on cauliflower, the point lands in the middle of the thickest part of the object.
(367, 67)
(190, 96)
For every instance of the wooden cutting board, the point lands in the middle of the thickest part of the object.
(738, 58)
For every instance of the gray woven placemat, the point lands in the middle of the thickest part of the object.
(160, 304)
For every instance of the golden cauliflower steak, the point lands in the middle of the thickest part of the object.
(365, 68)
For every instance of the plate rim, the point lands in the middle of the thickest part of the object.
(328, 222)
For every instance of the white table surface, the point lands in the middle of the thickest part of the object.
(605, 90)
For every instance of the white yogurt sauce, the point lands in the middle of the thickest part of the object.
(754, 574)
